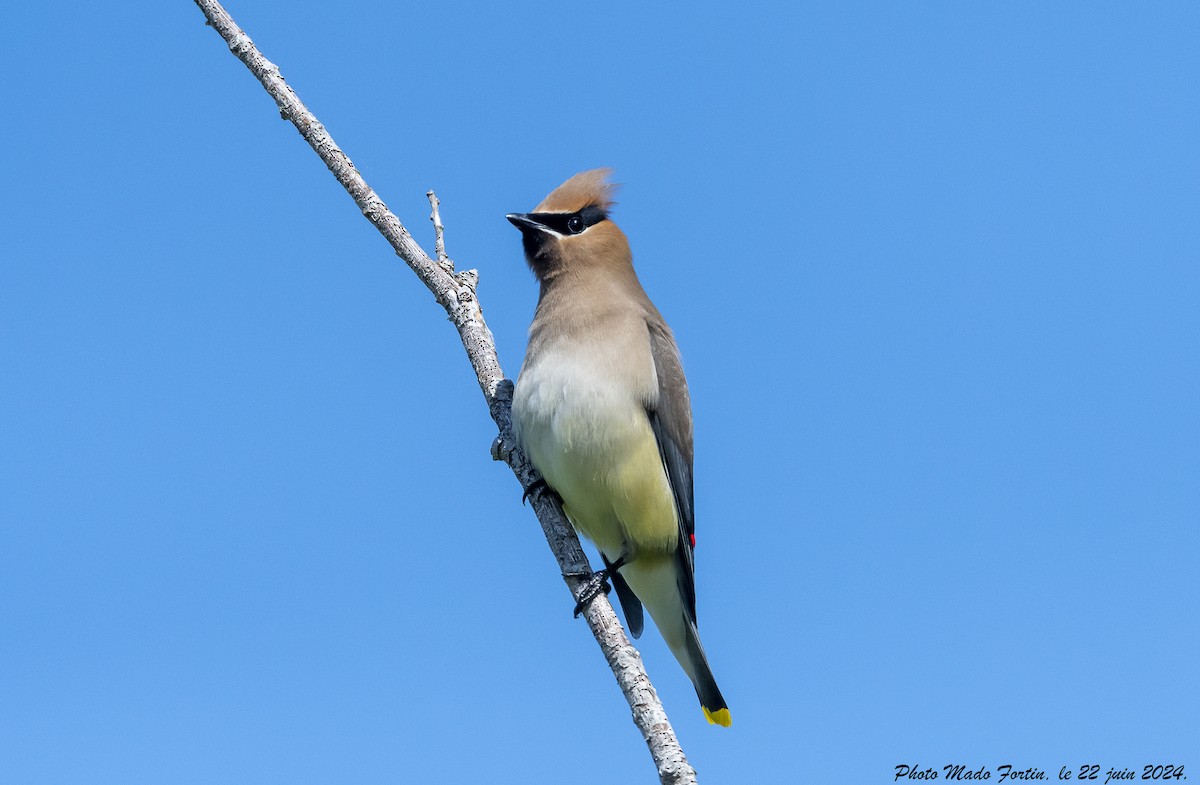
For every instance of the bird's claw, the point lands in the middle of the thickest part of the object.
(597, 583)
(534, 491)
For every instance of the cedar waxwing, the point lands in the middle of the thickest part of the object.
(601, 409)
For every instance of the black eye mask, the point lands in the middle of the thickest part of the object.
(571, 223)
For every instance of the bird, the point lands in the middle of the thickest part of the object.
(602, 411)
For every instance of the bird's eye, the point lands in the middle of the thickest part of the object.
(575, 224)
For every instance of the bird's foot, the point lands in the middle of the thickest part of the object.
(596, 583)
(535, 490)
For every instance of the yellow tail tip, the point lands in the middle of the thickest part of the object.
(719, 717)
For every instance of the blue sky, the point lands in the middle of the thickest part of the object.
(934, 271)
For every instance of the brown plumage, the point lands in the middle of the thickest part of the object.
(602, 410)
(585, 188)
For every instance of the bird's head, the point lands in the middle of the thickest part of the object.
(571, 229)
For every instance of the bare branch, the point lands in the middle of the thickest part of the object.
(439, 233)
(456, 294)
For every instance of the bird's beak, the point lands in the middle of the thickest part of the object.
(522, 221)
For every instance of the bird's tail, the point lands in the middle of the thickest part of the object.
(711, 700)
(655, 582)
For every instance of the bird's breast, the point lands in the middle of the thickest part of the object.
(584, 426)
(571, 404)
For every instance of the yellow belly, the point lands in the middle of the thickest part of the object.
(609, 473)
(621, 500)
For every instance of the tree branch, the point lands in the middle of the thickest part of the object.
(455, 292)
(439, 233)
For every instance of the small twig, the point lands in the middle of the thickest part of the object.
(456, 294)
(439, 233)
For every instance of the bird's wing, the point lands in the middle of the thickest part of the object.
(671, 418)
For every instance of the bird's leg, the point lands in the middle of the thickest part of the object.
(597, 582)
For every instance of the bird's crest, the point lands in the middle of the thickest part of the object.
(586, 188)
